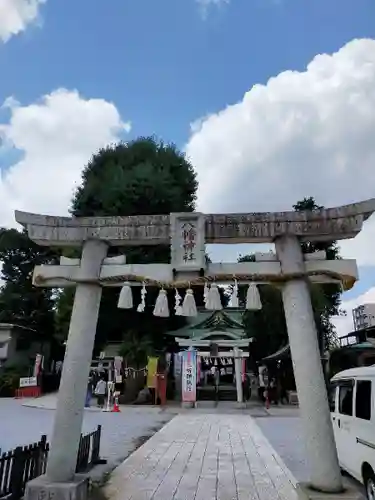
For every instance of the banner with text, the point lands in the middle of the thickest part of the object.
(152, 367)
(189, 376)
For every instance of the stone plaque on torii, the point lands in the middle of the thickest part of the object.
(187, 234)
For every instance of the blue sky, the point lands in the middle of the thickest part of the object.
(162, 65)
(149, 55)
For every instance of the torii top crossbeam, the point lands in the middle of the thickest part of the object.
(262, 227)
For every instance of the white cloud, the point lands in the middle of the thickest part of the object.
(208, 3)
(361, 247)
(204, 5)
(57, 137)
(344, 324)
(302, 134)
(15, 15)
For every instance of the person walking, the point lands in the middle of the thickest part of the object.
(217, 383)
(246, 388)
(89, 391)
(283, 392)
(100, 391)
(262, 382)
(273, 395)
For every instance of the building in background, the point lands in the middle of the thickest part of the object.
(364, 316)
(215, 335)
(17, 347)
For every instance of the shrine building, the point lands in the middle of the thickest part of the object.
(219, 338)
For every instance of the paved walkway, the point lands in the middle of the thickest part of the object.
(204, 457)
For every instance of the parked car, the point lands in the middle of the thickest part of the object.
(352, 400)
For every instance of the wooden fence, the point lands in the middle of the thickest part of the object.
(89, 450)
(24, 463)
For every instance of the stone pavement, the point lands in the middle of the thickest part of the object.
(121, 432)
(49, 402)
(199, 456)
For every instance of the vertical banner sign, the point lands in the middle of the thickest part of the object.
(38, 365)
(168, 359)
(177, 364)
(189, 376)
(118, 369)
(152, 366)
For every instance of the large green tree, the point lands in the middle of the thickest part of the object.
(20, 302)
(326, 298)
(268, 326)
(140, 177)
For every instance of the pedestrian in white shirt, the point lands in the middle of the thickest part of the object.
(100, 390)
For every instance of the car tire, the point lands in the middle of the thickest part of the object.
(369, 482)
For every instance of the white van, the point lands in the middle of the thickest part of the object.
(352, 404)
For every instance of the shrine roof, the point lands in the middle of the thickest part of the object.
(213, 322)
(282, 353)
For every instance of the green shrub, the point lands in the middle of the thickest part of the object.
(10, 379)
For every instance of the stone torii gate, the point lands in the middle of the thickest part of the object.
(187, 234)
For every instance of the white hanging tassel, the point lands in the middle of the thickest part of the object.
(177, 306)
(213, 302)
(161, 306)
(234, 297)
(141, 307)
(125, 300)
(206, 291)
(253, 302)
(189, 307)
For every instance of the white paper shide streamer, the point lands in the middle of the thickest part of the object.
(206, 291)
(253, 302)
(161, 308)
(177, 306)
(189, 307)
(141, 307)
(213, 302)
(125, 300)
(234, 297)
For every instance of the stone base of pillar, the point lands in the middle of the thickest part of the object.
(241, 406)
(43, 488)
(185, 404)
(349, 493)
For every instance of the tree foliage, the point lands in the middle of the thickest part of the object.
(135, 349)
(326, 298)
(268, 326)
(141, 177)
(20, 302)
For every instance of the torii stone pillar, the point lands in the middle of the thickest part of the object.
(60, 480)
(238, 374)
(62, 458)
(325, 472)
